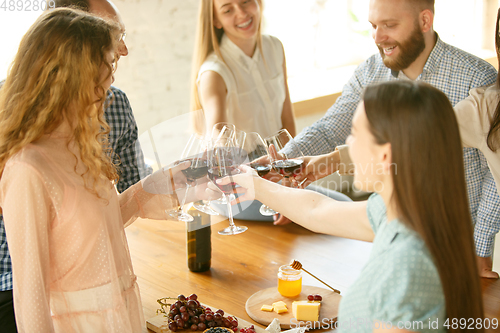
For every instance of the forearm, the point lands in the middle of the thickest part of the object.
(316, 212)
(135, 202)
(289, 125)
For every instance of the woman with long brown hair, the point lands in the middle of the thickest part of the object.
(63, 218)
(405, 144)
(239, 74)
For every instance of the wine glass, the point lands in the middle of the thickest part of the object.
(289, 163)
(257, 152)
(222, 163)
(195, 152)
(223, 133)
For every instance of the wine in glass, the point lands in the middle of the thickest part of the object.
(257, 152)
(287, 162)
(196, 153)
(222, 163)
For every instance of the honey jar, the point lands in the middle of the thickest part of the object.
(289, 281)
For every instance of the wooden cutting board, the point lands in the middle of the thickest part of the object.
(159, 324)
(327, 314)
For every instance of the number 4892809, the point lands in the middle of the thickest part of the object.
(471, 323)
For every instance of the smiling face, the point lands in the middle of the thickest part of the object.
(240, 19)
(397, 33)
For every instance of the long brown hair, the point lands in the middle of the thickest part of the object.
(492, 138)
(429, 182)
(56, 75)
(208, 39)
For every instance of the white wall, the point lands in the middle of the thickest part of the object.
(160, 38)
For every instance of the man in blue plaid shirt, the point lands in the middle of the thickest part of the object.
(411, 50)
(122, 137)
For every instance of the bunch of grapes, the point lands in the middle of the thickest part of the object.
(189, 313)
(314, 298)
(250, 329)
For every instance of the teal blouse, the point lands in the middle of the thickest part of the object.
(399, 286)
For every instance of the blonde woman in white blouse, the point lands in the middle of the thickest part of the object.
(239, 75)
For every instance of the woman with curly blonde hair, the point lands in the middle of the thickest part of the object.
(64, 220)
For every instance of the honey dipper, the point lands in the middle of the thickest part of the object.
(298, 266)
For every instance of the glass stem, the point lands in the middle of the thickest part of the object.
(229, 211)
(184, 198)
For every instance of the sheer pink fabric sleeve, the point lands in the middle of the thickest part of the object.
(27, 211)
(136, 202)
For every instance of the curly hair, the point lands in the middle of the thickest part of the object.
(56, 76)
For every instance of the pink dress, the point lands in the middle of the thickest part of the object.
(71, 263)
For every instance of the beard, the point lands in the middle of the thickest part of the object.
(409, 50)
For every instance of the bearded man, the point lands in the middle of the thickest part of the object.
(409, 49)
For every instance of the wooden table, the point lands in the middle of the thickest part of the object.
(246, 263)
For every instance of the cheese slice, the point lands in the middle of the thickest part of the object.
(267, 308)
(304, 310)
(279, 303)
(280, 308)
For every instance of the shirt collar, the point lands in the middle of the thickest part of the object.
(388, 233)
(228, 47)
(432, 61)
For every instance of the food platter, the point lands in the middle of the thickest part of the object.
(327, 315)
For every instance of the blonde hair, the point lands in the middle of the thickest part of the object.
(208, 39)
(56, 76)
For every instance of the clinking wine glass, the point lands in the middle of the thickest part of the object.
(222, 133)
(195, 152)
(222, 163)
(227, 134)
(257, 152)
(287, 162)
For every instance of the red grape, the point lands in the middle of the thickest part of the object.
(202, 326)
(191, 304)
(220, 311)
(172, 326)
(193, 297)
(181, 298)
(194, 327)
(209, 317)
(318, 298)
(310, 297)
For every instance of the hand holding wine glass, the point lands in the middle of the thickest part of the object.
(287, 165)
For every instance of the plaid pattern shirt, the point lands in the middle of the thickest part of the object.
(123, 138)
(454, 72)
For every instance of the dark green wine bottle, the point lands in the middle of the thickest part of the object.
(199, 244)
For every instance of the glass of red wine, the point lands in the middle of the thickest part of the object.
(223, 157)
(257, 152)
(195, 152)
(222, 133)
(287, 165)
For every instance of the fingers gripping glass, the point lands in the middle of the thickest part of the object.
(222, 163)
(287, 162)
